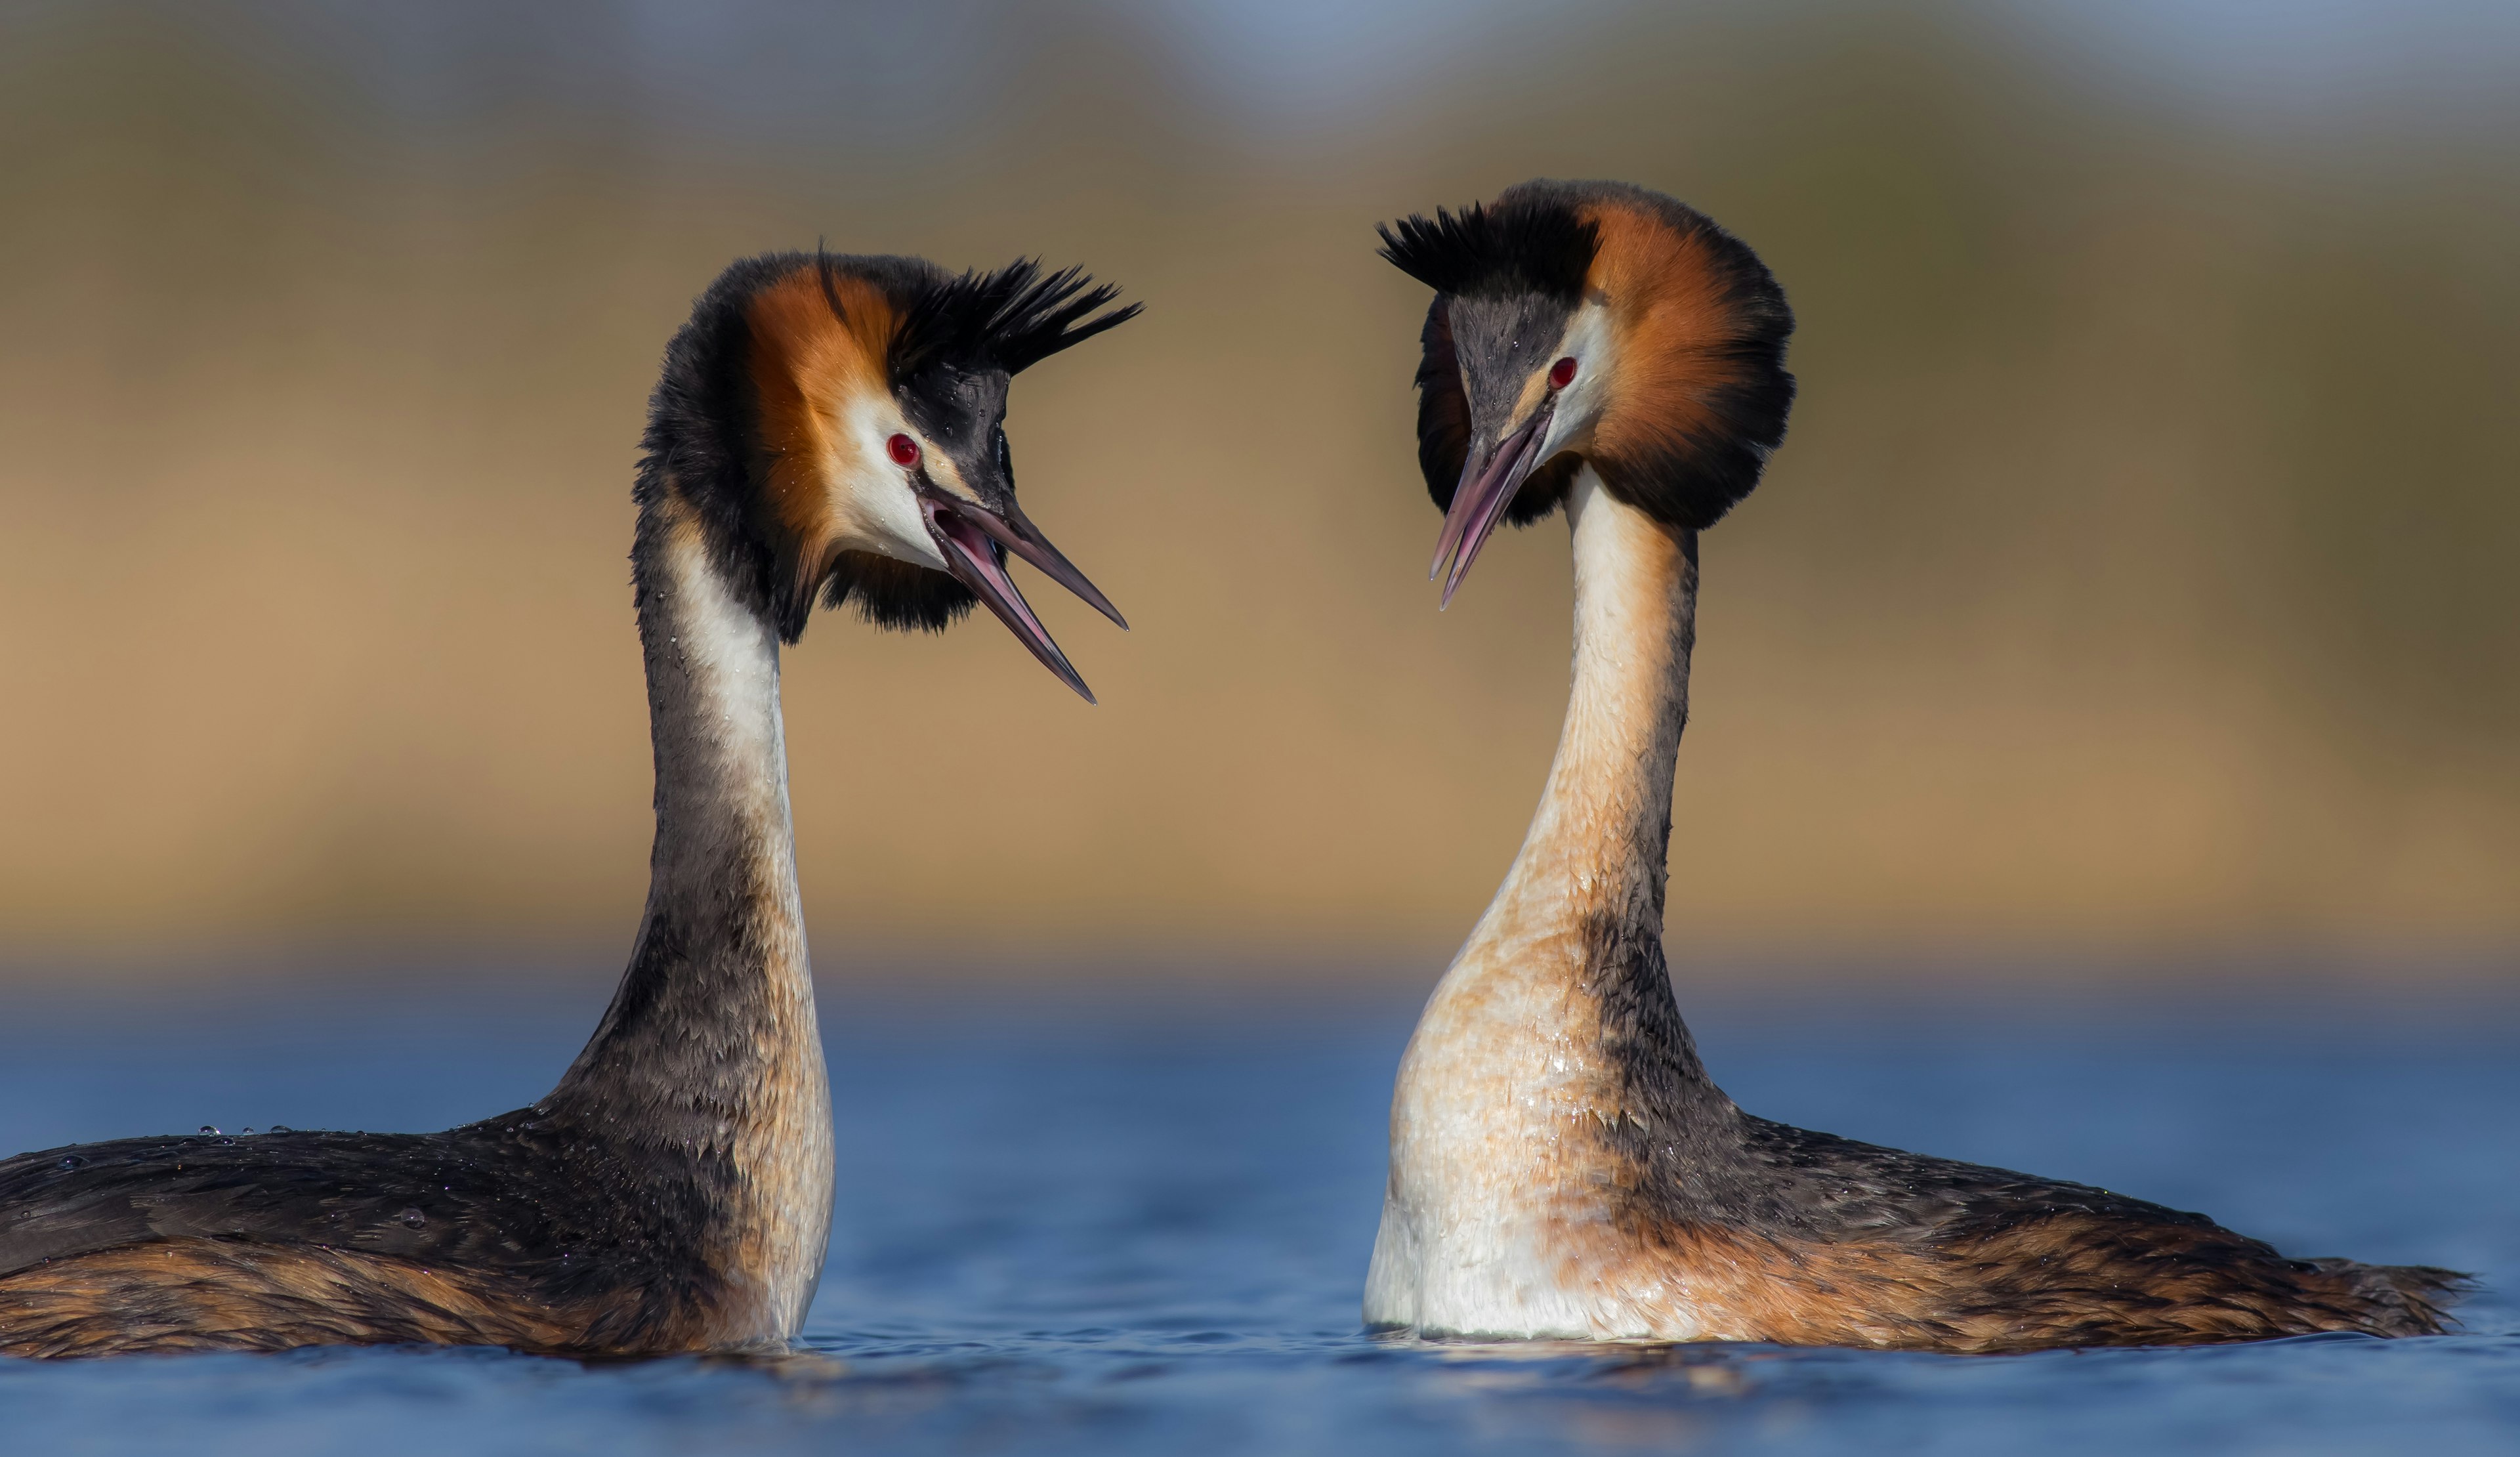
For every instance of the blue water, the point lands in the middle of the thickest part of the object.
(1090, 1227)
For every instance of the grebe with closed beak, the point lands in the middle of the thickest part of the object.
(1561, 1166)
(826, 430)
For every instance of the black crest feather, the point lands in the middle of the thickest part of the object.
(1508, 247)
(1010, 319)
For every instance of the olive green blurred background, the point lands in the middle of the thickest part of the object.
(2136, 582)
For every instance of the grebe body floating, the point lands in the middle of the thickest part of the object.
(1561, 1166)
(827, 428)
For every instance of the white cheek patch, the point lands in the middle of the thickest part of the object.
(1588, 342)
(872, 502)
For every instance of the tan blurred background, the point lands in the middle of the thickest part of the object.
(2135, 584)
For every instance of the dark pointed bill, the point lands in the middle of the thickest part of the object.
(1017, 532)
(1479, 502)
(964, 531)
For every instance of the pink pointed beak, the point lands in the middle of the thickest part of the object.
(1487, 488)
(969, 534)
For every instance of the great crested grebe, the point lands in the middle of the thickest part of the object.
(826, 428)
(1560, 1164)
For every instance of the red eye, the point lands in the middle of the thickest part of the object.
(1563, 373)
(905, 450)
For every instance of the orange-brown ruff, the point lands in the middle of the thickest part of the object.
(824, 428)
(1560, 1164)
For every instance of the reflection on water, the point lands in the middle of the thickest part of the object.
(1097, 1230)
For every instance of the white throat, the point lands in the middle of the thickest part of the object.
(1492, 1187)
(733, 731)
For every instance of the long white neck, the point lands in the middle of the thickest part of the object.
(1592, 862)
(1598, 841)
(709, 1049)
(1553, 1044)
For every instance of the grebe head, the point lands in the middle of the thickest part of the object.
(841, 424)
(1596, 323)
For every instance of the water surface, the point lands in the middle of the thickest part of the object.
(1096, 1228)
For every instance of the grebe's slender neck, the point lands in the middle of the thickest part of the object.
(709, 1049)
(1603, 825)
(1584, 901)
(1552, 1069)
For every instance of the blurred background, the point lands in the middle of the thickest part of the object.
(2134, 592)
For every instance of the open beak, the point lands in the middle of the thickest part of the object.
(1486, 489)
(967, 533)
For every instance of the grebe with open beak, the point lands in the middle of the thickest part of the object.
(826, 430)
